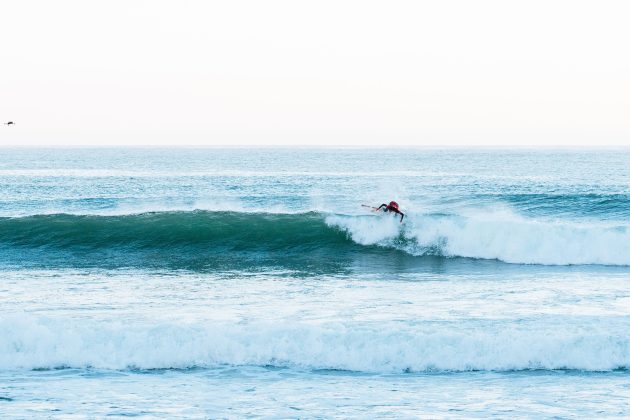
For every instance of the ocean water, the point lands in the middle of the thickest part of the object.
(232, 283)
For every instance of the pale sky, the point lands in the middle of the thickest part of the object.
(356, 73)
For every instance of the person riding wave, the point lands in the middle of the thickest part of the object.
(391, 207)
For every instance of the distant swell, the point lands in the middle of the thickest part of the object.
(198, 239)
(28, 342)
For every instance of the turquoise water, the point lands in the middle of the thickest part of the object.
(204, 283)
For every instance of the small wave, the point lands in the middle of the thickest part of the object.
(29, 342)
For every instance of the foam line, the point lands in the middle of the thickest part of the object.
(29, 342)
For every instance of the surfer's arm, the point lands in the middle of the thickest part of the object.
(380, 207)
(402, 216)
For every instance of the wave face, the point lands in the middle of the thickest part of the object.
(303, 241)
(31, 342)
(197, 239)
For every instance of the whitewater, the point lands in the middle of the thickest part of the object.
(183, 283)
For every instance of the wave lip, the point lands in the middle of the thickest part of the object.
(28, 342)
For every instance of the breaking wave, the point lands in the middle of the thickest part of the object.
(200, 238)
(30, 342)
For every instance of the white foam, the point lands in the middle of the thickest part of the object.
(28, 342)
(367, 230)
(500, 235)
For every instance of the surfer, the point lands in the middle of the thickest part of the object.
(9, 123)
(391, 207)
